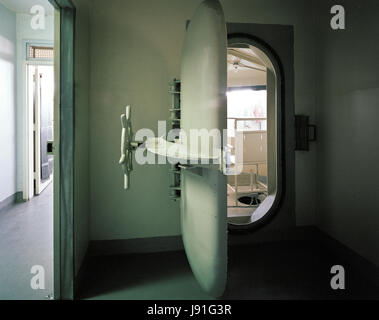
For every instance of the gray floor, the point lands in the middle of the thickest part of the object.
(26, 233)
(282, 270)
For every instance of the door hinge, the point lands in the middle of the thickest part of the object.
(304, 132)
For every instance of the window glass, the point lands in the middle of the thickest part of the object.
(245, 105)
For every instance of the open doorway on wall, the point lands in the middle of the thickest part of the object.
(247, 122)
(26, 205)
(40, 84)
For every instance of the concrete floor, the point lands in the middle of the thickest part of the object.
(282, 270)
(26, 233)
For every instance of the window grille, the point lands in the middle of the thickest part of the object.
(40, 52)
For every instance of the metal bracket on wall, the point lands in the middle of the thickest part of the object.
(304, 132)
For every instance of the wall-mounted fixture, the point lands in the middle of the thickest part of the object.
(305, 133)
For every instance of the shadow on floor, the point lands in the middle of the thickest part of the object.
(291, 270)
(282, 270)
(140, 276)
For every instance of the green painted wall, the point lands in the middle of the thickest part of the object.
(134, 51)
(347, 113)
(81, 151)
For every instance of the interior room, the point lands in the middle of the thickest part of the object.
(247, 112)
(286, 195)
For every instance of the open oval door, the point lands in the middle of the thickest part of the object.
(204, 106)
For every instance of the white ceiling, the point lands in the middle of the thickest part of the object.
(245, 56)
(241, 76)
(23, 6)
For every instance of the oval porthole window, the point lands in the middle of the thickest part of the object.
(253, 112)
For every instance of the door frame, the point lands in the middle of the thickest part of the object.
(63, 148)
(39, 184)
(274, 198)
(29, 156)
(282, 211)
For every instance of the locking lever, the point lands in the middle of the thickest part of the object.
(127, 146)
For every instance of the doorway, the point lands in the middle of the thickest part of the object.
(41, 102)
(26, 206)
(275, 47)
(251, 124)
(26, 248)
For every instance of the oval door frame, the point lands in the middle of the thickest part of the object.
(248, 39)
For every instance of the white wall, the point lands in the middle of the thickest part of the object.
(347, 115)
(7, 103)
(135, 50)
(25, 33)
